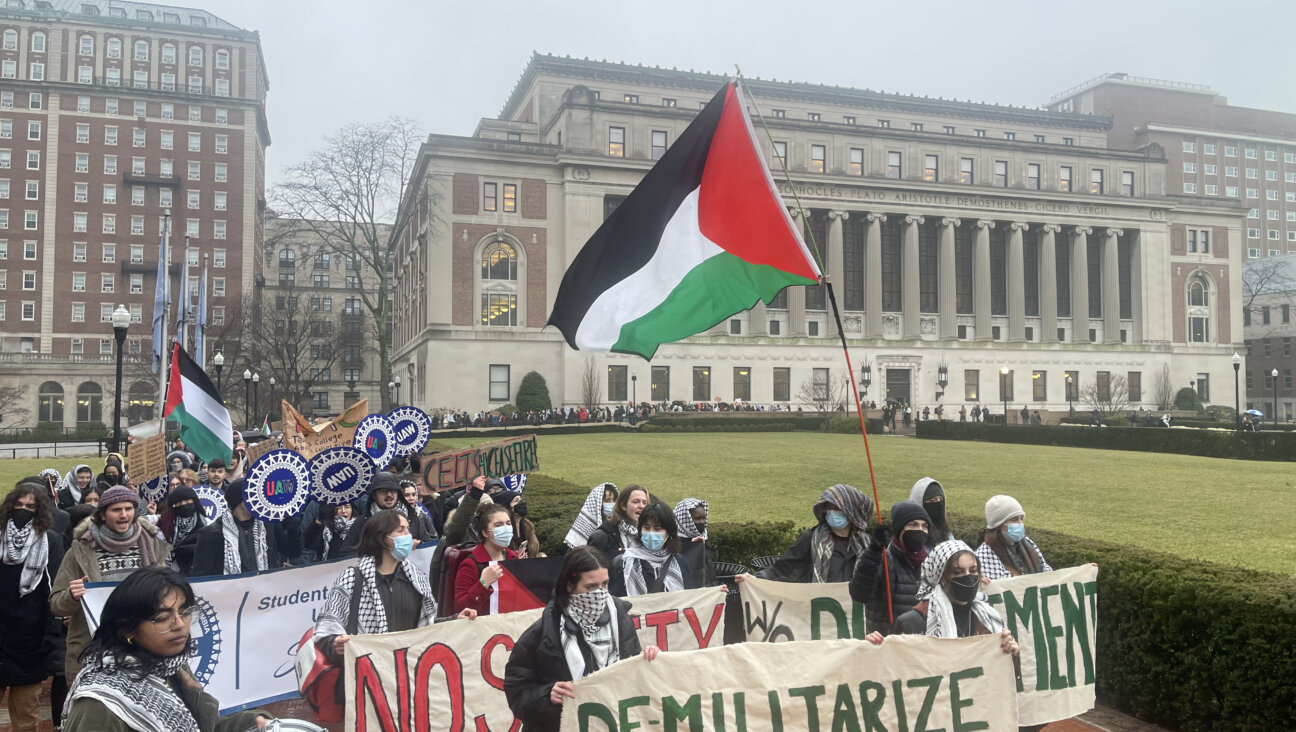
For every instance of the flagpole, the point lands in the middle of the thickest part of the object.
(164, 371)
(832, 299)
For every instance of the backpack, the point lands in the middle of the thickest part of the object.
(450, 561)
(319, 681)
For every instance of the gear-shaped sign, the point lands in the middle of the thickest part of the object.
(413, 428)
(277, 486)
(155, 490)
(205, 631)
(375, 437)
(340, 475)
(212, 500)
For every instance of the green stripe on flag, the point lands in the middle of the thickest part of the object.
(712, 291)
(204, 443)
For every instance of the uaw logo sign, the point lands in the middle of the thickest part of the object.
(277, 486)
(155, 490)
(412, 428)
(341, 474)
(376, 438)
(212, 500)
(206, 634)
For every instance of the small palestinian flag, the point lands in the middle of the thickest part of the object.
(192, 400)
(703, 236)
(527, 584)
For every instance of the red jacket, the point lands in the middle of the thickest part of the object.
(469, 591)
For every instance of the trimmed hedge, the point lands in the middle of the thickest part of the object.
(703, 427)
(539, 430)
(1273, 445)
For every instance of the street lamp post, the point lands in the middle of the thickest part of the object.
(1237, 399)
(1003, 392)
(866, 376)
(634, 389)
(391, 390)
(219, 362)
(1070, 409)
(120, 321)
(397, 379)
(256, 397)
(270, 394)
(1274, 374)
(247, 396)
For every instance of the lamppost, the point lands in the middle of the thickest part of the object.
(1070, 408)
(270, 394)
(351, 385)
(219, 362)
(1273, 373)
(397, 380)
(866, 377)
(1003, 392)
(634, 389)
(120, 321)
(247, 396)
(1237, 399)
(942, 378)
(391, 390)
(256, 396)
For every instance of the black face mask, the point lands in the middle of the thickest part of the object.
(964, 589)
(936, 511)
(520, 509)
(186, 511)
(701, 528)
(914, 540)
(21, 516)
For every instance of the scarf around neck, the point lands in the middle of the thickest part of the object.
(115, 543)
(684, 517)
(29, 548)
(335, 618)
(150, 704)
(590, 617)
(940, 609)
(915, 559)
(233, 558)
(637, 557)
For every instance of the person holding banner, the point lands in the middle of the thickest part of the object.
(582, 629)
(1005, 550)
(905, 553)
(475, 579)
(831, 551)
(597, 508)
(137, 676)
(651, 563)
(622, 528)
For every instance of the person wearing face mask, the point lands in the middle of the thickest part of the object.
(385, 495)
(652, 563)
(582, 629)
(238, 542)
(597, 508)
(74, 485)
(30, 635)
(179, 523)
(525, 541)
(111, 476)
(475, 580)
(1005, 550)
(905, 553)
(831, 550)
(931, 496)
(622, 528)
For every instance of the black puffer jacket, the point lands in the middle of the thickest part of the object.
(538, 662)
(866, 587)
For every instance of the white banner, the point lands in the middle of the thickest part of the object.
(787, 611)
(249, 627)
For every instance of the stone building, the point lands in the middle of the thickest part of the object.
(1269, 326)
(981, 254)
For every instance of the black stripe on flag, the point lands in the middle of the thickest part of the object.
(193, 373)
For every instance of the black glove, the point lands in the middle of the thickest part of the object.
(880, 538)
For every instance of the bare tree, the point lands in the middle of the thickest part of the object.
(290, 337)
(1165, 392)
(348, 195)
(591, 385)
(11, 397)
(1107, 399)
(1262, 277)
(831, 396)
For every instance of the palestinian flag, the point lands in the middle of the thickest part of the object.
(703, 236)
(192, 400)
(527, 584)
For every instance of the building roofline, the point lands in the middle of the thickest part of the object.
(69, 11)
(1143, 81)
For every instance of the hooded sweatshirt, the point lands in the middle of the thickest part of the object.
(927, 488)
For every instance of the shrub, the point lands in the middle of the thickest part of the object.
(505, 409)
(91, 431)
(533, 393)
(1188, 399)
(739, 542)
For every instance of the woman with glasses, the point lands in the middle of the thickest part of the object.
(136, 675)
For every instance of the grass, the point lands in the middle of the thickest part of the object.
(12, 471)
(1227, 511)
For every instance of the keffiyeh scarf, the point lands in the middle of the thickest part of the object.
(333, 619)
(70, 482)
(857, 507)
(940, 610)
(339, 528)
(637, 558)
(148, 705)
(589, 518)
(230, 531)
(591, 617)
(30, 549)
(184, 526)
(684, 518)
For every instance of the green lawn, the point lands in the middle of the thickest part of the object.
(12, 471)
(1229, 511)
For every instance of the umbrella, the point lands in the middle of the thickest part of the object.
(1254, 412)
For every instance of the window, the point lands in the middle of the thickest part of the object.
(195, 113)
(222, 144)
(1189, 187)
(780, 153)
(109, 253)
(1064, 178)
(78, 281)
(6, 159)
(107, 282)
(7, 101)
(856, 166)
(35, 100)
(966, 171)
(195, 55)
(931, 167)
(10, 40)
(194, 198)
(222, 116)
(78, 312)
(948, 129)
(221, 200)
(320, 280)
(222, 172)
(33, 190)
(972, 385)
(510, 198)
(490, 199)
(31, 220)
(978, 133)
(110, 134)
(1127, 183)
(1039, 138)
(138, 138)
(893, 164)
(1039, 386)
(4, 188)
(1211, 190)
(848, 119)
(1001, 173)
(1010, 135)
(195, 142)
(136, 253)
(6, 129)
(817, 156)
(195, 87)
(137, 226)
(631, 99)
(29, 312)
(192, 228)
(617, 383)
(701, 383)
(779, 113)
(660, 386)
(29, 280)
(1096, 180)
(195, 170)
(219, 228)
(616, 142)
(168, 83)
(499, 382)
(222, 59)
(37, 72)
(1271, 175)
(33, 130)
(916, 126)
(79, 222)
(1068, 141)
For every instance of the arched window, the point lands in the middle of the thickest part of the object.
(38, 42)
(499, 262)
(50, 403)
(499, 284)
(141, 50)
(1199, 308)
(1197, 291)
(143, 399)
(89, 403)
(287, 259)
(85, 45)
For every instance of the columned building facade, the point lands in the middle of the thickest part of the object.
(980, 254)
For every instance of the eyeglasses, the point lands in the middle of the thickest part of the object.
(164, 622)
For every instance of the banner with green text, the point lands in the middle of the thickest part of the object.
(787, 611)
(907, 683)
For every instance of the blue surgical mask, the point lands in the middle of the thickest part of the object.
(1015, 532)
(837, 519)
(653, 540)
(402, 546)
(502, 535)
(607, 509)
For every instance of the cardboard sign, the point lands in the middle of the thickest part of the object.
(255, 451)
(296, 428)
(147, 458)
(337, 432)
(445, 471)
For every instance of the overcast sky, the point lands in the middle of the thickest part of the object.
(447, 65)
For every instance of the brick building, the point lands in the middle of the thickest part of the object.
(982, 253)
(1270, 328)
(116, 120)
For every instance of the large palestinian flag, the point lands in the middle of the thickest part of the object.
(703, 236)
(192, 400)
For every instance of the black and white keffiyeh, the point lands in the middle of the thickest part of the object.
(230, 531)
(333, 618)
(637, 559)
(184, 526)
(589, 518)
(147, 705)
(591, 616)
(940, 610)
(70, 482)
(29, 548)
(340, 527)
(684, 518)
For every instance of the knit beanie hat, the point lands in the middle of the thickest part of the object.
(117, 494)
(1001, 508)
(904, 512)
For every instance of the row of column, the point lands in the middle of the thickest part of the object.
(947, 291)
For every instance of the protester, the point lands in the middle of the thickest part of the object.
(111, 476)
(328, 531)
(415, 512)
(904, 555)
(525, 540)
(384, 494)
(651, 562)
(597, 508)
(137, 673)
(238, 542)
(180, 524)
(92, 495)
(457, 526)
(216, 474)
(931, 496)
(30, 635)
(831, 550)
(582, 629)
(178, 460)
(621, 529)
(43, 486)
(475, 579)
(1005, 550)
(74, 485)
(114, 542)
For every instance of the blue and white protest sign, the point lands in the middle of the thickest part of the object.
(277, 486)
(412, 428)
(155, 490)
(515, 482)
(375, 437)
(340, 475)
(212, 500)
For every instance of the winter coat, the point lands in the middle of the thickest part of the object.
(455, 532)
(469, 591)
(607, 539)
(797, 563)
(91, 714)
(538, 661)
(418, 528)
(31, 635)
(80, 561)
(866, 587)
(209, 551)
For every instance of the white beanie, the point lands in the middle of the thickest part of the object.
(1001, 508)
